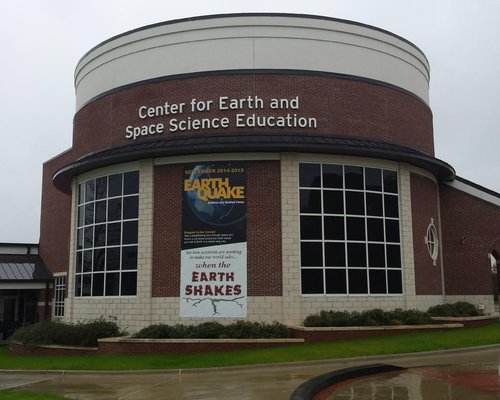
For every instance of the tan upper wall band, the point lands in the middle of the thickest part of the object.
(246, 42)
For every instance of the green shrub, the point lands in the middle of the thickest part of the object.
(41, 333)
(215, 330)
(56, 332)
(373, 317)
(329, 318)
(415, 317)
(207, 330)
(256, 330)
(157, 331)
(90, 332)
(458, 309)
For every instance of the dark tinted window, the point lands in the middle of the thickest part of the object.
(356, 254)
(391, 206)
(310, 201)
(355, 203)
(355, 228)
(334, 228)
(374, 204)
(309, 175)
(354, 177)
(98, 285)
(376, 255)
(390, 182)
(333, 176)
(311, 254)
(310, 227)
(335, 254)
(394, 281)
(351, 245)
(333, 202)
(312, 281)
(393, 256)
(113, 259)
(131, 182)
(112, 284)
(99, 259)
(392, 230)
(377, 281)
(129, 283)
(115, 185)
(336, 281)
(358, 282)
(107, 235)
(373, 179)
(129, 257)
(101, 190)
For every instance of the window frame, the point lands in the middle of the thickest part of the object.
(59, 301)
(101, 282)
(389, 217)
(432, 242)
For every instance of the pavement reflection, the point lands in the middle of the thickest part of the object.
(276, 382)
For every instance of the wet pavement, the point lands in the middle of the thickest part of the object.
(276, 382)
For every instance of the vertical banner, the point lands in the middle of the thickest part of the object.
(214, 242)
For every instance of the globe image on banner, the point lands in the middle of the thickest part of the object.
(214, 211)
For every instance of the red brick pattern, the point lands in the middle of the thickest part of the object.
(167, 225)
(424, 207)
(183, 347)
(342, 107)
(263, 229)
(151, 347)
(55, 219)
(471, 230)
(331, 335)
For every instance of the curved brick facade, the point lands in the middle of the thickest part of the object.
(342, 107)
(339, 223)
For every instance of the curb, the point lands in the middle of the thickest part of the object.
(312, 387)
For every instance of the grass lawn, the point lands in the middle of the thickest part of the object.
(405, 343)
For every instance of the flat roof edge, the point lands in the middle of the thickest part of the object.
(251, 14)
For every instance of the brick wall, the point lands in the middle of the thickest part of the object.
(342, 107)
(263, 229)
(424, 205)
(55, 218)
(167, 228)
(470, 230)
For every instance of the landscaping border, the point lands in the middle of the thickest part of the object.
(298, 335)
(469, 322)
(323, 334)
(128, 345)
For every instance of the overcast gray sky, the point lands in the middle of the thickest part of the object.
(42, 41)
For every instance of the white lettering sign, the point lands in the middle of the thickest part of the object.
(179, 118)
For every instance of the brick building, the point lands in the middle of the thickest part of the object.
(259, 166)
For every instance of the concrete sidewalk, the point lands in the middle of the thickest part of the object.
(276, 382)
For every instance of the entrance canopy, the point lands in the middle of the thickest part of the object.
(21, 269)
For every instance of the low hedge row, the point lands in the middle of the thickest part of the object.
(88, 333)
(375, 317)
(55, 332)
(378, 317)
(215, 330)
(458, 309)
